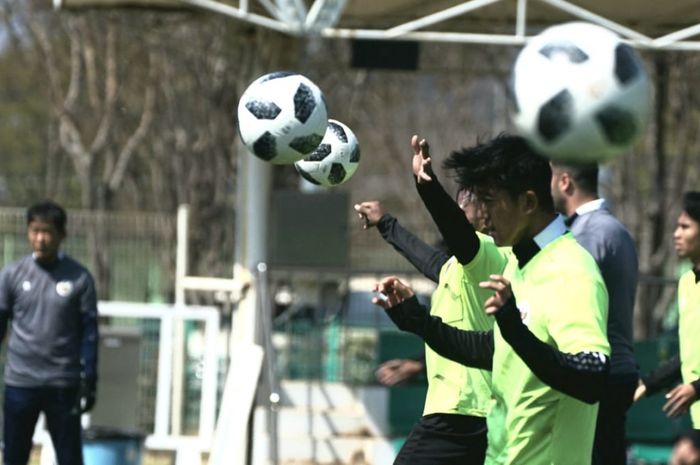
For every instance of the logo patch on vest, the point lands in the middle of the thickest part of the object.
(524, 308)
(26, 286)
(64, 288)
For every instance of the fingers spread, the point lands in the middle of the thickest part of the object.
(424, 148)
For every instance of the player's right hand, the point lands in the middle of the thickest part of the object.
(422, 167)
(369, 212)
(640, 392)
(398, 370)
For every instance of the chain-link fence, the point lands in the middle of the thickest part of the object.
(134, 251)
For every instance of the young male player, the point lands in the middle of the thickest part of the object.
(452, 429)
(686, 365)
(548, 351)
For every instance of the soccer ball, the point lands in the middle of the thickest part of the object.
(580, 94)
(282, 117)
(335, 160)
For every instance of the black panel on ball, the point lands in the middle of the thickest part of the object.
(355, 155)
(306, 144)
(320, 153)
(617, 124)
(554, 118)
(265, 147)
(337, 173)
(626, 64)
(263, 110)
(304, 103)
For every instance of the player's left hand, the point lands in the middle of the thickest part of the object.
(502, 293)
(88, 394)
(422, 163)
(678, 400)
(391, 292)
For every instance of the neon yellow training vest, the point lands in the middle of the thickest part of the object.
(688, 330)
(459, 302)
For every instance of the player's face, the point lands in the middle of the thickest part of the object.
(504, 216)
(474, 210)
(557, 189)
(45, 239)
(686, 238)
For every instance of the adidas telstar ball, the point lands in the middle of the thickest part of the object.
(282, 117)
(335, 160)
(580, 94)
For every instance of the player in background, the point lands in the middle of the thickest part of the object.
(50, 303)
(548, 352)
(428, 260)
(452, 429)
(686, 365)
(575, 193)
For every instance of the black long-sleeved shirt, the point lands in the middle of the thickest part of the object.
(665, 375)
(53, 314)
(426, 259)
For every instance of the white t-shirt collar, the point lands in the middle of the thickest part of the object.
(591, 206)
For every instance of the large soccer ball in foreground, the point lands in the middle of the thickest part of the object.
(580, 94)
(335, 160)
(282, 117)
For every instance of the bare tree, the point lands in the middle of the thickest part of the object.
(648, 183)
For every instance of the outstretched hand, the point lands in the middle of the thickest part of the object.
(369, 212)
(640, 392)
(422, 163)
(503, 293)
(396, 371)
(679, 399)
(391, 292)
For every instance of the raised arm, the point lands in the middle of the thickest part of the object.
(426, 259)
(458, 233)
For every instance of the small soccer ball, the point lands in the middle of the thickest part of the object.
(282, 117)
(580, 94)
(335, 160)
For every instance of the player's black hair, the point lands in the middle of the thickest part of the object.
(585, 175)
(691, 204)
(50, 212)
(505, 162)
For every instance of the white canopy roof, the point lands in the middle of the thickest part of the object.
(653, 24)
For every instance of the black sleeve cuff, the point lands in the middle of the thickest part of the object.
(664, 376)
(409, 316)
(696, 386)
(582, 375)
(385, 223)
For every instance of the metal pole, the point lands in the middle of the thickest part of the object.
(178, 328)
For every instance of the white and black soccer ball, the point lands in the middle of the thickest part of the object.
(336, 158)
(579, 93)
(282, 117)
